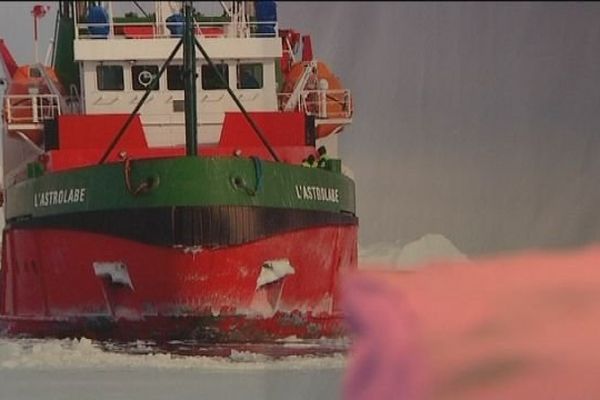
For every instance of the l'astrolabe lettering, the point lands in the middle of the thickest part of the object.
(317, 193)
(59, 197)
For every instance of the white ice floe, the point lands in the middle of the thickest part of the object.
(430, 247)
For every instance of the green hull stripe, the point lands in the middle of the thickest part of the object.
(182, 181)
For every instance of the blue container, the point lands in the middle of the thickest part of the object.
(175, 24)
(98, 15)
(266, 11)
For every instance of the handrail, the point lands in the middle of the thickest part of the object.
(322, 103)
(156, 30)
(31, 108)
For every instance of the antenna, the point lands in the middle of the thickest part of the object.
(38, 12)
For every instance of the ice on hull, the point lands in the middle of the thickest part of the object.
(244, 293)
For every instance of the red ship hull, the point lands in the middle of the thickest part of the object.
(50, 287)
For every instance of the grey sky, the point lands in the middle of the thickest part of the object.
(477, 121)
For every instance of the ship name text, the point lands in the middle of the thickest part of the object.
(59, 197)
(317, 193)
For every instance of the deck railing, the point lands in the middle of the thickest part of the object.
(322, 104)
(153, 30)
(30, 108)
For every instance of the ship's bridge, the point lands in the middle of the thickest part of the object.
(118, 60)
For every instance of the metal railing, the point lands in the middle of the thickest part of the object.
(323, 104)
(155, 30)
(30, 108)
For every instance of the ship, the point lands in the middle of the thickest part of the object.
(174, 175)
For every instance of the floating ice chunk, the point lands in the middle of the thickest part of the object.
(430, 247)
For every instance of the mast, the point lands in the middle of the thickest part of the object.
(189, 68)
(38, 12)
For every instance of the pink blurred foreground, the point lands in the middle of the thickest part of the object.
(524, 326)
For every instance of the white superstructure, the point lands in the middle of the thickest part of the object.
(117, 65)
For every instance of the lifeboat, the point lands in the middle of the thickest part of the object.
(29, 102)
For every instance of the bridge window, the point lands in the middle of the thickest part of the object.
(210, 79)
(110, 77)
(249, 76)
(142, 75)
(175, 77)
